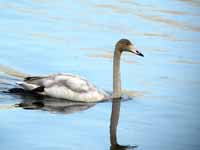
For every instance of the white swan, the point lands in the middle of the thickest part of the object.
(76, 88)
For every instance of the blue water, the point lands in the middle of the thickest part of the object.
(42, 37)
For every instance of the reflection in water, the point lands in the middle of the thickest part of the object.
(110, 56)
(168, 21)
(47, 36)
(131, 93)
(113, 127)
(154, 18)
(55, 105)
(185, 61)
(9, 71)
(192, 2)
(53, 30)
(39, 102)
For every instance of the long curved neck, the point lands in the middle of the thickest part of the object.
(116, 74)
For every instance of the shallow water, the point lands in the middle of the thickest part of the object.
(44, 37)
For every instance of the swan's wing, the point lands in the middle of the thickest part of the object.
(72, 82)
(34, 78)
(32, 83)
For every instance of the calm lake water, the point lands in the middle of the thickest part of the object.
(42, 37)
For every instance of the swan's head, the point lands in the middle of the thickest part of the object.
(124, 45)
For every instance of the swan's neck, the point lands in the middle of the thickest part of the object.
(116, 74)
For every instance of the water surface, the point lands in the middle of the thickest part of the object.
(43, 37)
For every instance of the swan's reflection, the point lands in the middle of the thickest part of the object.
(113, 127)
(52, 105)
(55, 105)
(38, 102)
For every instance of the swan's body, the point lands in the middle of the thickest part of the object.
(65, 86)
(75, 88)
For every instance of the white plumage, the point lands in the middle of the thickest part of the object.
(65, 86)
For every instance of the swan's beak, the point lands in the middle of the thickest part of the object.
(135, 51)
(138, 53)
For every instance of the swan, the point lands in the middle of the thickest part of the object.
(76, 88)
